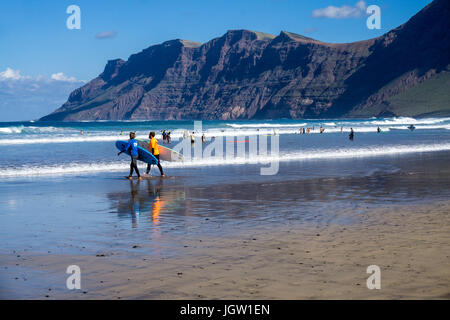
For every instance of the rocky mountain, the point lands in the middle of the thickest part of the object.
(252, 75)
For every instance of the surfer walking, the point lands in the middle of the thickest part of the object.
(153, 146)
(132, 146)
(351, 136)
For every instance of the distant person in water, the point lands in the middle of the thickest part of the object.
(351, 136)
(321, 129)
(164, 135)
(168, 137)
(132, 146)
(378, 130)
(203, 138)
(154, 148)
(342, 129)
(192, 137)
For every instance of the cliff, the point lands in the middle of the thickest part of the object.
(252, 75)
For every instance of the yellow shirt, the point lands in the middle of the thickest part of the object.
(154, 146)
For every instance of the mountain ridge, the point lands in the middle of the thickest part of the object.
(246, 74)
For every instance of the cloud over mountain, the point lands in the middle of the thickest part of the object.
(342, 12)
(62, 77)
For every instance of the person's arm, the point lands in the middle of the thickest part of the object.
(126, 148)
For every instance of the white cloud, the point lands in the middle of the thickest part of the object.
(10, 74)
(106, 34)
(24, 97)
(343, 12)
(361, 5)
(62, 77)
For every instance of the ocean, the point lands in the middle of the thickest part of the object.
(31, 149)
(62, 185)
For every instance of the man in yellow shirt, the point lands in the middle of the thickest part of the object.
(154, 148)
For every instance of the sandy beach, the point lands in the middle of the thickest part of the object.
(222, 230)
(410, 244)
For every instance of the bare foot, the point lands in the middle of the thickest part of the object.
(139, 178)
(129, 178)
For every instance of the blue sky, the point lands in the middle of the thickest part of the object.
(36, 42)
(35, 39)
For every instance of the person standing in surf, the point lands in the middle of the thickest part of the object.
(351, 136)
(132, 146)
(153, 146)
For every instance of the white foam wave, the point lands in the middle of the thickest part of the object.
(20, 135)
(62, 139)
(431, 127)
(210, 133)
(86, 168)
(266, 125)
(31, 130)
(407, 121)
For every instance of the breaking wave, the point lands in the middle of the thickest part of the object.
(86, 168)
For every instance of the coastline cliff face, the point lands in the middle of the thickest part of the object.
(252, 75)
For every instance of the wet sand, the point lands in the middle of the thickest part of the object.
(410, 244)
(309, 232)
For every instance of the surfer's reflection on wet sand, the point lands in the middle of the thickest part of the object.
(149, 201)
(146, 199)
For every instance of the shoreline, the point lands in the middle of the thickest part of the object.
(410, 244)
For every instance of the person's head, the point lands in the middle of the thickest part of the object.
(152, 134)
(132, 135)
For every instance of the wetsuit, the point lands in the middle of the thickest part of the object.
(132, 147)
(155, 151)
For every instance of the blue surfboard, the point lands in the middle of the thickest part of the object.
(143, 155)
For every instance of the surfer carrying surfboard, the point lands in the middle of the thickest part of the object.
(132, 146)
(154, 148)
